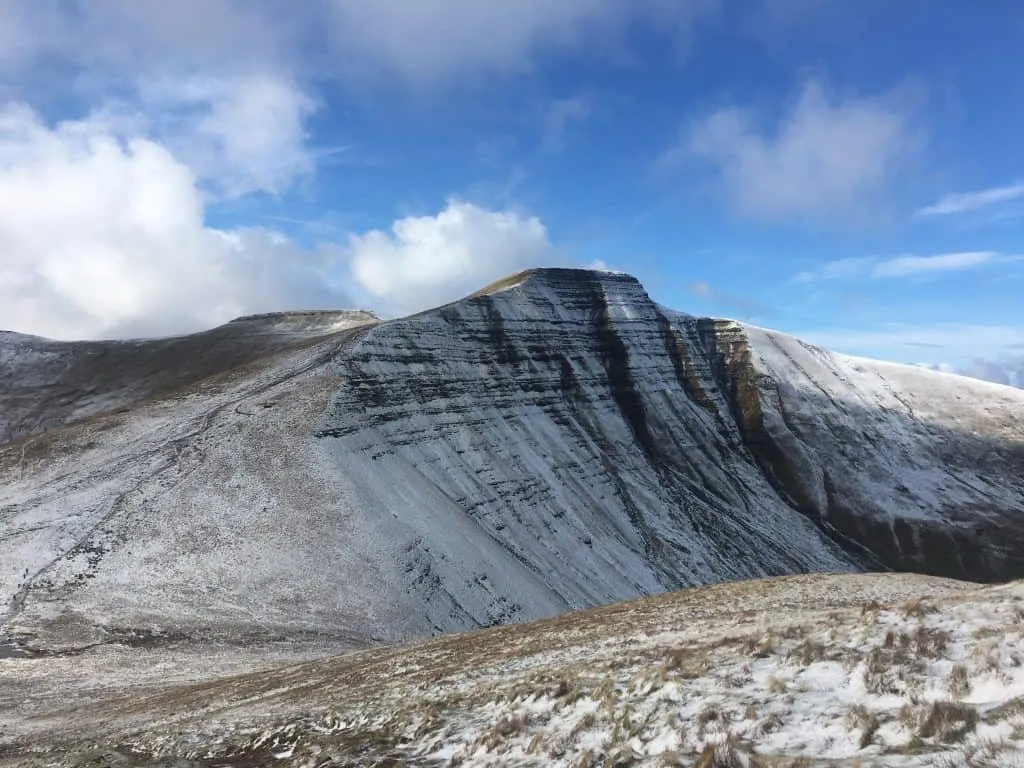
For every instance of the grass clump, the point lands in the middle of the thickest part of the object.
(959, 682)
(926, 642)
(808, 652)
(776, 685)
(918, 609)
(947, 722)
(861, 718)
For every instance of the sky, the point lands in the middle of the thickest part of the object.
(850, 171)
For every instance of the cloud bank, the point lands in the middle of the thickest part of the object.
(102, 234)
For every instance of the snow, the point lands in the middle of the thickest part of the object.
(477, 465)
(846, 669)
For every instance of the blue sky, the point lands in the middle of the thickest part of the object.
(851, 172)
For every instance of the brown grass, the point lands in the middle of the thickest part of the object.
(861, 718)
(947, 722)
(959, 681)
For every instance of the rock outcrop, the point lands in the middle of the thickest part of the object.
(554, 441)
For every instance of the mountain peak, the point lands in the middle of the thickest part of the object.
(555, 276)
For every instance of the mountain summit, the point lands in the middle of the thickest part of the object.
(554, 441)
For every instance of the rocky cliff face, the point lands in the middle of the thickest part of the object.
(554, 441)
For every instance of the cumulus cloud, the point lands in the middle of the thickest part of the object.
(424, 261)
(102, 234)
(962, 202)
(827, 157)
(901, 266)
(223, 83)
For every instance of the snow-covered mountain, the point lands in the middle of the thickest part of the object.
(555, 441)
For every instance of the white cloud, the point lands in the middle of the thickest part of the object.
(419, 41)
(840, 269)
(429, 260)
(826, 157)
(128, 39)
(230, 81)
(428, 41)
(901, 266)
(244, 134)
(102, 234)
(970, 201)
(908, 266)
(221, 82)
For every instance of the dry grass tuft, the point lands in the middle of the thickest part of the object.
(959, 681)
(761, 647)
(1006, 710)
(886, 670)
(919, 608)
(947, 722)
(862, 719)
(776, 685)
(711, 714)
(926, 642)
(770, 723)
(987, 753)
(728, 754)
(808, 652)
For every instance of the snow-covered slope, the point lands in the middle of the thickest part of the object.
(553, 442)
(926, 469)
(45, 384)
(879, 670)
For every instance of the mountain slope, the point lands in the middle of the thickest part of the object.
(553, 442)
(879, 670)
(45, 384)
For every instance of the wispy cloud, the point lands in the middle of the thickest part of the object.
(908, 266)
(961, 202)
(828, 157)
(955, 345)
(749, 308)
(901, 266)
(559, 115)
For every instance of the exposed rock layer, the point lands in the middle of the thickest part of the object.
(554, 441)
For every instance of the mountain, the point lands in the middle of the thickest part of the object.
(553, 442)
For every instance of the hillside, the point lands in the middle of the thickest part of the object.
(554, 442)
(811, 671)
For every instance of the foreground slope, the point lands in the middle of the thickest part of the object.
(554, 442)
(871, 670)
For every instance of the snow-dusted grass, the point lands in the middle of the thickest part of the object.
(804, 671)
